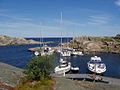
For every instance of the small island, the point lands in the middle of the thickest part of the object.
(88, 44)
(7, 40)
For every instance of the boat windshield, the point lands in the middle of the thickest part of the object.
(94, 62)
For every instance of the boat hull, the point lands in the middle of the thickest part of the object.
(76, 53)
(74, 69)
(61, 70)
(95, 69)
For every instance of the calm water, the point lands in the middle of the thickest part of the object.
(19, 56)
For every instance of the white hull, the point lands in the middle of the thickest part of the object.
(61, 70)
(96, 69)
(96, 65)
(76, 53)
(46, 53)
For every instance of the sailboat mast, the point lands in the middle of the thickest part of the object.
(61, 18)
(61, 32)
(61, 26)
(40, 37)
(67, 41)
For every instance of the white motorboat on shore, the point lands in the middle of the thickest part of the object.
(96, 65)
(63, 67)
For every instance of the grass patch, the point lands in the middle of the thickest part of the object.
(37, 85)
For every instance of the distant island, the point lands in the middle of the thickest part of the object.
(89, 44)
(6, 40)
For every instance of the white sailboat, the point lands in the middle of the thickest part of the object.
(37, 53)
(76, 52)
(63, 67)
(64, 52)
(47, 50)
(44, 49)
(96, 65)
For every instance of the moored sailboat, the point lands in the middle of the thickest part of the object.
(63, 67)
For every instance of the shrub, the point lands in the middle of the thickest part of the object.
(40, 67)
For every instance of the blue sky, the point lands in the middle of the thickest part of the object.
(30, 18)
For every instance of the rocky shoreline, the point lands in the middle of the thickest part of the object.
(10, 75)
(6, 41)
(96, 44)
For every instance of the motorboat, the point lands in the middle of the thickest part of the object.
(75, 69)
(63, 67)
(65, 53)
(96, 65)
(76, 53)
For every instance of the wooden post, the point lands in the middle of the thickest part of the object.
(64, 73)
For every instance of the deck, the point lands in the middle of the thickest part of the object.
(90, 77)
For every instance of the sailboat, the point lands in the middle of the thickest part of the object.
(37, 53)
(76, 52)
(64, 66)
(44, 49)
(64, 52)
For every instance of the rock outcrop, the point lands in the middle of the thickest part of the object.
(6, 40)
(97, 44)
(9, 75)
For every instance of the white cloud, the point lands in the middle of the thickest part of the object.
(117, 2)
(29, 29)
(3, 10)
(15, 18)
(97, 20)
(66, 23)
(5, 13)
(25, 25)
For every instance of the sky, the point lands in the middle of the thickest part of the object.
(36, 18)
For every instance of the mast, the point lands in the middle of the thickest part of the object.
(67, 41)
(40, 37)
(61, 32)
(42, 43)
